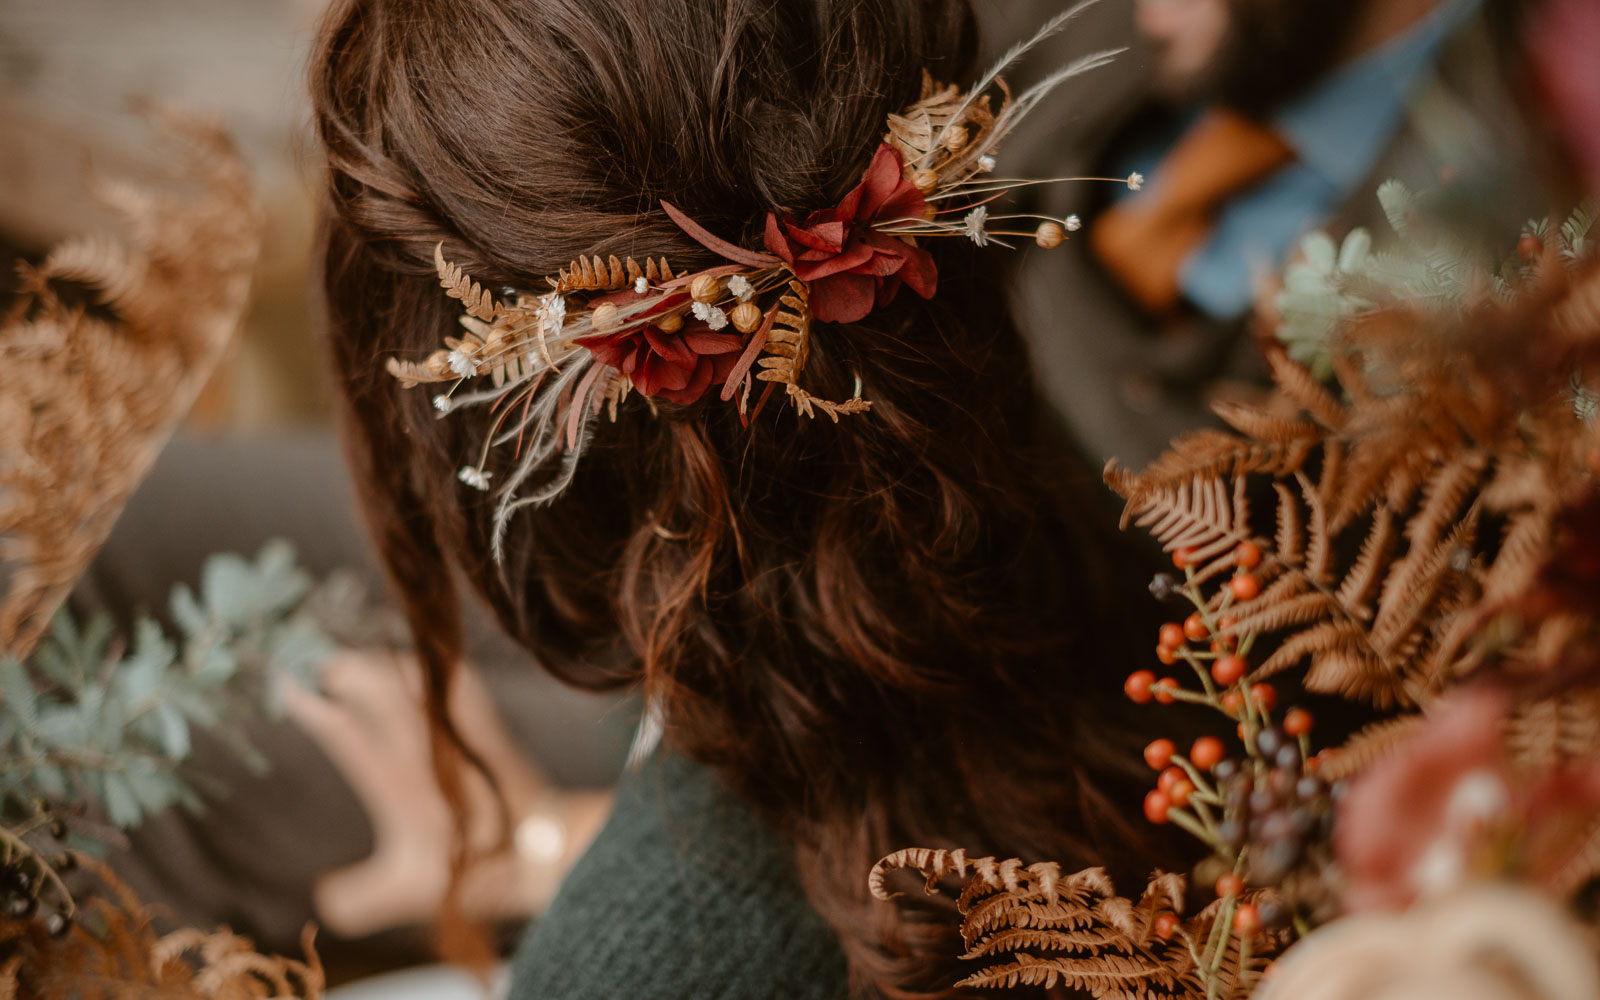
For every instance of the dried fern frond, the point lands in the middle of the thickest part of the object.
(784, 355)
(88, 400)
(1031, 925)
(592, 274)
(117, 952)
(478, 301)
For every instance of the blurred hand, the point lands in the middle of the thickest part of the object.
(369, 720)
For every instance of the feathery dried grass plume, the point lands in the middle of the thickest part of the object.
(103, 353)
(125, 956)
(1033, 926)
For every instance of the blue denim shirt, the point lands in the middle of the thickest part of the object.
(1338, 130)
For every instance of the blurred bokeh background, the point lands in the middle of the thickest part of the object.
(71, 70)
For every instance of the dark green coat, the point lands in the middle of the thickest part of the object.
(685, 894)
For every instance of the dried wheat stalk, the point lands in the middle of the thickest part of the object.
(88, 396)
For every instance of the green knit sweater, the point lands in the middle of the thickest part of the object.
(686, 893)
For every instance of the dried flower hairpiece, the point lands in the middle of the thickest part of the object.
(555, 360)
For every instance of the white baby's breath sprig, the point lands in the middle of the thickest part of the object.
(443, 403)
(462, 365)
(1135, 181)
(641, 285)
(1073, 223)
(710, 315)
(474, 477)
(740, 286)
(986, 164)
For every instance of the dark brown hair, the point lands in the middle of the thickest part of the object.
(883, 632)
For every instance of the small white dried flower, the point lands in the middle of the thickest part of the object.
(555, 314)
(1073, 223)
(710, 315)
(1135, 181)
(641, 285)
(443, 403)
(975, 221)
(474, 477)
(739, 285)
(462, 365)
(986, 164)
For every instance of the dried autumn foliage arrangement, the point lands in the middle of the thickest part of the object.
(1413, 523)
(101, 354)
(115, 952)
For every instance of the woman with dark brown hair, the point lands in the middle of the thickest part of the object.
(858, 635)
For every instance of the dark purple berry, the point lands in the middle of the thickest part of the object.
(1309, 788)
(1268, 741)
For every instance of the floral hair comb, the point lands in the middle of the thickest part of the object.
(555, 360)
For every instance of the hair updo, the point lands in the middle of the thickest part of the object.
(879, 631)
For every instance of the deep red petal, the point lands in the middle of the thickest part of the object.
(853, 256)
(713, 343)
(659, 373)
(920, 273)
(843, 298)
(828, 235)
(881, 182)
(695, 387)
(669, 345)
(776, 243)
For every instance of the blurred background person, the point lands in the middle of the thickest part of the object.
(1253, 123)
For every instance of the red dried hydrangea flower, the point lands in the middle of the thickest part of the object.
(851, 267)
(678, 366)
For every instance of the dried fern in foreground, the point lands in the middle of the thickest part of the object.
(116, 953)
(1394, 519)
(1033, 926)
(90, 389)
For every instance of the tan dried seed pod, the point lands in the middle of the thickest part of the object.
(925, 180)
(705, 288)
(607, 316)
(1050, 235)
(670, 323)
(746, 317)
(956, 139)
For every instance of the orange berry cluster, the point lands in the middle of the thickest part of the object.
(1189, 790)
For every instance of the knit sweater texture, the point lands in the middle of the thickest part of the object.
(686, 893)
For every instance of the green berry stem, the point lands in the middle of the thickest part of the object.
(1203, 789)
(1200, 671)
(1192, 825)
(1179, 694)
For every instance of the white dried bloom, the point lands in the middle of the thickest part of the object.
(443, 404)
(554, 314)
(986, 164)
(462, 365)
(1135, 181)
(474, 477)
(710, 315)
(641, 285)
(975, 221)
(1073, 223)
(739, 285)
